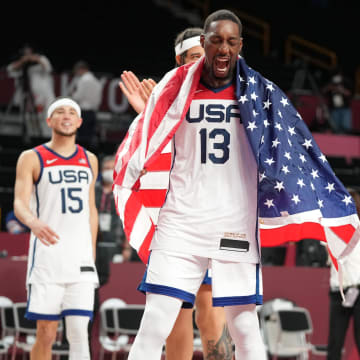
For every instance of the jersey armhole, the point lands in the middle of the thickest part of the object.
(87, 159)
(41, 166)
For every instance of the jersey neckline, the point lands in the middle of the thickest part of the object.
(216, 90)
(61, 156)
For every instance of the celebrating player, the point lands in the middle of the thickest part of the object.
(240, 150)
(210, 320)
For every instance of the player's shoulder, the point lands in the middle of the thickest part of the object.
(28, 160)
(93, 159)
(28, 155)
(90, 154)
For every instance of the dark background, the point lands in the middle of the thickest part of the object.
(139, 35)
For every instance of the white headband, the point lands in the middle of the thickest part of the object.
(63, 102)
(187, 44)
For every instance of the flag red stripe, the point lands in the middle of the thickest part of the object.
(344, 232)
(297, 232)
(292, 232)
(334, 261)
(134, 144)
(152, 198)
(166, 98)
(196, 78)
(144, 251)
(162, 163)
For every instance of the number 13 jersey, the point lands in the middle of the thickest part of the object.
(211, 205)
(61, 200)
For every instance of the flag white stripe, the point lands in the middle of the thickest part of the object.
(121, 196)
(153, 213)
(140, 229)
(155, 180)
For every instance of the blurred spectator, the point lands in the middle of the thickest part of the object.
(34, 88)
(339, 94)
(111, 233)
(341, 312)
(111, 236)
(321, 121)
(14, 225)
(87, 92)
(310, 252)
(273, 255)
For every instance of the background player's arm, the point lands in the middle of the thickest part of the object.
(27, 171)
(94, 218)
(136, 92)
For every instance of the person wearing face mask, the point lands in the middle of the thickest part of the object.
(111, 239)
(111, 234)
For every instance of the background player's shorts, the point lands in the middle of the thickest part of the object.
(180, 275)
(207, 278)
(54, 301)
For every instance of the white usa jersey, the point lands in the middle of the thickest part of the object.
(211, 205)
(61, 200)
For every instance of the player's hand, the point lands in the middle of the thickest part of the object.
(131, 88)
(43, 232)
(147, 86)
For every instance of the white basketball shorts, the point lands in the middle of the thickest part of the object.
(54, 301)
(180, 275)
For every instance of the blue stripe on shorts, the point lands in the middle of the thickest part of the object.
(238, 300)
(143, 287)
(169, 291)
(207, 279)
(69, 312)
(242, 300)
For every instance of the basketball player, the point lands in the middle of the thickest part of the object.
(209, 217)
(54, 197)
(211, 322)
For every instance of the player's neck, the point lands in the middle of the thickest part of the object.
(63, 145)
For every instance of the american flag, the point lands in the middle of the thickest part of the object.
(299, 196)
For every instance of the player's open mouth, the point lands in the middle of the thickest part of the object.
(221, 66)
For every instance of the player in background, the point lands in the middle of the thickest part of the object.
(54, 197)
(211, 321)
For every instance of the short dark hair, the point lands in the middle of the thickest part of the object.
(222, 14)
(187, 34)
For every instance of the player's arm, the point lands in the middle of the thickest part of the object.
(94, 218)
(27, 171)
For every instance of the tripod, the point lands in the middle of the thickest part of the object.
(27, 108)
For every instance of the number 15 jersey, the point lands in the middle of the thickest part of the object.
(211, 206)
(61, 200)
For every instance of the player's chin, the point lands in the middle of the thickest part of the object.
(221, 73)
(67, 133)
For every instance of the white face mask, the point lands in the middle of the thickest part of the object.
(107, 176)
